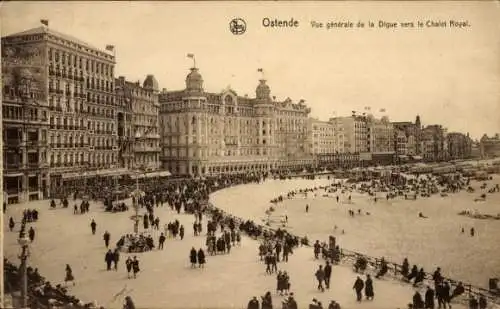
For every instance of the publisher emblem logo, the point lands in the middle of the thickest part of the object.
(237, 26)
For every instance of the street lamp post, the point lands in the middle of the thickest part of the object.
(23, 242)
(136, 204)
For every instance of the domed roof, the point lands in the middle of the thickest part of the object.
(263, 92)
(151, 83)
(194, 80)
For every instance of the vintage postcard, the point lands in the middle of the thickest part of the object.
(250, 155)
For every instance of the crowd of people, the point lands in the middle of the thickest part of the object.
(396, 185)
(191, 196)
(42, 293)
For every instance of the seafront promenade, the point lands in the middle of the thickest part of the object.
(227, 281)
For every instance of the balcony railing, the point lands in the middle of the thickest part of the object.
(13, 190)
(13, 142)
(11, 166)
(35, 143)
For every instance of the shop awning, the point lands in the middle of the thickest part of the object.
(151, 175)
(71, 175)
(15, 174)
(102, 173)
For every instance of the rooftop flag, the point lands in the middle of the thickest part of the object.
(192, 57)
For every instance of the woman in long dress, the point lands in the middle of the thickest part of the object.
(69, 275)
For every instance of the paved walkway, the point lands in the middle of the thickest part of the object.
(166, 279)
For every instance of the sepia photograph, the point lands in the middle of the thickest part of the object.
(250, 155)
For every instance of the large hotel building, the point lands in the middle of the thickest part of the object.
(59, 112)
(207, 133)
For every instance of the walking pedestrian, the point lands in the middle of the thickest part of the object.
(93, 226)
(106, 238)
(192, 257)
(201, 258)
(358, 287)
(161, 241)
(116, 258)
(108, 258)
(135, 266)
(128, 264)
(418, 303)
(31, 234)
(369, 293)
(320, 276)
(11, 224)
(181, 232)
(429, 298)
(328, 274)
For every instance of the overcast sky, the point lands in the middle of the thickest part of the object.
(448, 76)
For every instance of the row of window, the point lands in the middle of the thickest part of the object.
(217, 152)
(78, 140)
(55, 104)
(79, 158)
(92, 84)
(23, 92)
(80, 62)
(18, 113)
(90, 125)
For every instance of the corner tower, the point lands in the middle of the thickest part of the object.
(194, 81)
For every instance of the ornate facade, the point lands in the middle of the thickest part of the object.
(25, 124)
(211, 133)
(137, 116)
(74, 85)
